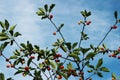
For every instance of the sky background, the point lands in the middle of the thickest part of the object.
(23, 13)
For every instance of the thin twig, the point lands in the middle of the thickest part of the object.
(104, 37)
(57, 30)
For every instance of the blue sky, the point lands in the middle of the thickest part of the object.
(22, 13)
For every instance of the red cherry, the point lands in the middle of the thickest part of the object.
(88, 22)
(59, 77)
(118, 57)
(26, 68)
(113, 55)
(51, 16)
(48, 69)
(8, 65)
(32, 57)
(57, 55)
(119, 49)
(57, 60)
(12, 65)
(61, 67)
(54, 33)
(102, 49)
(114, 27)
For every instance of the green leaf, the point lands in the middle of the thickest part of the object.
(84, 50)
(88, 14)
(51, 7)
(74, 45)
(68, 44)
(114, 76)
(36, 47)
(41, 65)
(2, 34)
(11, 32)
(2, 76)
(12, 28)
(90, 66)
(53, 64)
(69, 66)
(26, 73)
(92, 47)
(104, 69)
(10, 78)
(46, 7)
(41, 12)
(61, 25)
(59, 28)
(83, 13)
(2, 24)
(16, 62)
(29, 45)
(90, 55)
(74, 56)
(29, 61)
(41, 9)
(99, 64)
(37, 73)
(99, 74)
(104, 46)
(23, 45)
(55, 44)
(44, 17)
(16, 52)
(63, 48)
(4, 38)
(18, 72)
(17, 34)
(11, 42)
(89, 71)
(6, 24)
(4, 45)
(115, 14)
(14, 57)
(64, 75)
